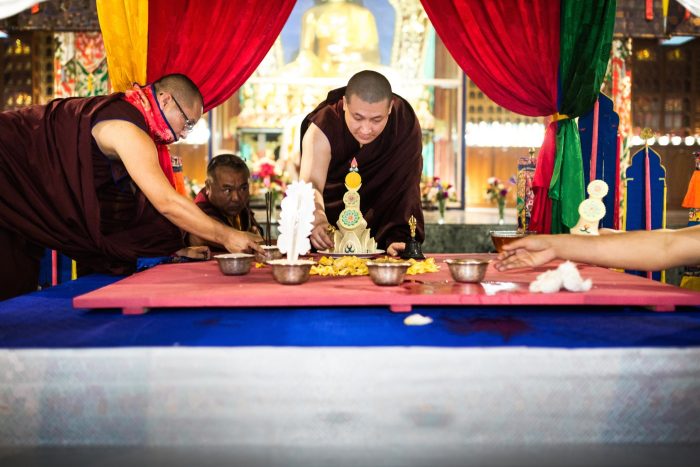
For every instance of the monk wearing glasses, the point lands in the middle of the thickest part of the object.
(92, 178)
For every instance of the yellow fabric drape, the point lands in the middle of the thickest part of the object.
(124, 25)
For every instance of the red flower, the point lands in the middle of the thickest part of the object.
(266, 170)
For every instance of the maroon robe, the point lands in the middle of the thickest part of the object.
(246, 216)
(390, 167)
(58, 190)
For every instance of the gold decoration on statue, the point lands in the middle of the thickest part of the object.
(413, 249)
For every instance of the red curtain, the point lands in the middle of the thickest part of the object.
(509, 48)
(218, 44)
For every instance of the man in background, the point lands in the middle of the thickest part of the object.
(225, 197)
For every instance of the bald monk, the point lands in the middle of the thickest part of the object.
(92, 178)
(366, 121)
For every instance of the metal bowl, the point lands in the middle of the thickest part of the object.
(468, 270)
(387, 272)
(503, 237)
(291, 273)
(271, 252)
(234, 264)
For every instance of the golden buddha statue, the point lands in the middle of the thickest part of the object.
(338, 37)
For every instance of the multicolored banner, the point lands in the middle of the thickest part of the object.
(536, 58)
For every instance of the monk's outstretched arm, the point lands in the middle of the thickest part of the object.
(642, 250)
(137, 151)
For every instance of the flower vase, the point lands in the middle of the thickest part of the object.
(501, 211)
(441, 209)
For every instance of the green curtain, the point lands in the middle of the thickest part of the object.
(585, 41)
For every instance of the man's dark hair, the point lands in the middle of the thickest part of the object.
(227, 160)
(182, 87)
(369, 86)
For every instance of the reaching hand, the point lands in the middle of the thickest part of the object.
(241, 242)
(531, 251)
(395, 248)
(320, 239)
(254, 236)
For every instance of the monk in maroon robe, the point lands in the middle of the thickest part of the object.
(366, 121)
(91, 178)
(226, 196)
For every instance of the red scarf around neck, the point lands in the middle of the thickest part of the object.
(144, 99)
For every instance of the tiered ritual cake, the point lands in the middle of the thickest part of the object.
(353, 236)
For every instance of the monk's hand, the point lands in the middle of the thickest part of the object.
(255, 236)
(241, 242)
(320, 237)
(395, 248)
(194, 252)
(527, 252)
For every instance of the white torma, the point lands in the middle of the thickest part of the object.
(353, 236)
(296, 220)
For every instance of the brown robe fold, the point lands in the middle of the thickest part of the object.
(59, 191)
(390, 167)
(245, 217)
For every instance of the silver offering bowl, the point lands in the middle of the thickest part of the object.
(234, 264)
(468, 270)
(271, 252)
(387, 272)
(291, 272)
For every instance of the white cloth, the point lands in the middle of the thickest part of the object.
(566, 275)
(435, 401)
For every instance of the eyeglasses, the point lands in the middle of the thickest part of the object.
(189, 124)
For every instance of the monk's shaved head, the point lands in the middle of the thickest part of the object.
(183, 88)
(369, 86)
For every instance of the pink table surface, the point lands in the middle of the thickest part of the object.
(201, 284)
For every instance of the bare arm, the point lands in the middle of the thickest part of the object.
(316, 158)
(124, 140)
(195, 241)
(643, 250)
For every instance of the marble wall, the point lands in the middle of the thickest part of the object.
(460, 238)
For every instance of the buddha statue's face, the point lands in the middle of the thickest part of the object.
(366, 120)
